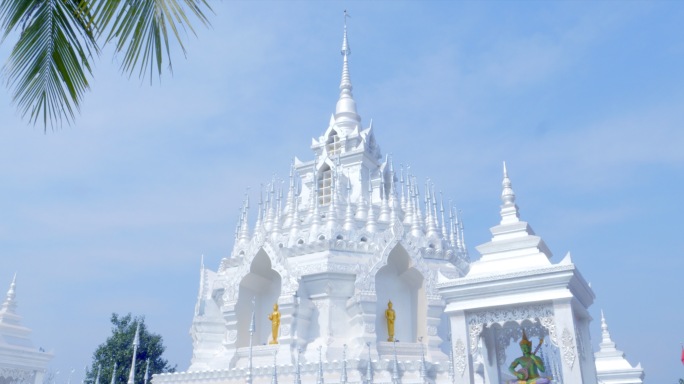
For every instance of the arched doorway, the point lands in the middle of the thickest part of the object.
(403, 285)
(262, 284)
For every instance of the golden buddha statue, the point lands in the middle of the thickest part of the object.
(275, 323)
(390, 315)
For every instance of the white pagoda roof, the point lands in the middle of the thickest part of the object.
(611, 365)
(20, 361)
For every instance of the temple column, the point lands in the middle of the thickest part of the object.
(231, 333)
(435, 308)
(567, 340)
(583, 320)
(287, 305)
(488, 351)
(460, 345)
(361, 311)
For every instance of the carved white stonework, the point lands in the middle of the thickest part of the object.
(432, 330)
(550, 324)
(568, 347)
(517, 314)
(580, 343)
(510, 275)
(232, 336)
(474, 330)
(460, 358)
(14, 375)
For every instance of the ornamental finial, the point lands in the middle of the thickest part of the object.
(345, 111)
(507, 194)
(509, 211)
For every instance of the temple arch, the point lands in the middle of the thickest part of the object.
(263, 284)
(401, 283)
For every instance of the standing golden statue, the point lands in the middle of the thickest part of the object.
(390, 315)
(275, 323)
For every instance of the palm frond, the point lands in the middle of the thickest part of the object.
(140, 29)
(49, 66)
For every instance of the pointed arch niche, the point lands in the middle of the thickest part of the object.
(262, 284)
(403, 284)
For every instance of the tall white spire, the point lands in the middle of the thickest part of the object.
(136, 342)
(147, 372)
(345, 111)
(114, 374)
(509, 211)
(9, 305)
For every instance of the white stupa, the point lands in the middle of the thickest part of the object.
(353, 232)
(20, 361)
(611, 365)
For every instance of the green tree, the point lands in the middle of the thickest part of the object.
(119, 349)
(49, 67)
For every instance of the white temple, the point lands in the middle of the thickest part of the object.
(20, 361)
(353, 232)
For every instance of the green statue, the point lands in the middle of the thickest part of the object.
(530, 364)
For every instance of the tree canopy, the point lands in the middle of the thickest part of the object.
(118, 348)
(49, 67)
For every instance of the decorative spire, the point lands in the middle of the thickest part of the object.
(509, 211)
(606, 341)
(274, 375)
(369, 367)
(147, 371)
(113, 381)
(349, 214)
(244, 225)
(371, 224)
(251, 340)
(461, 231)
(395, 365)
(345, 111)
(384, 207)
(361, 211)
(298, 372)
(97, 377)
(315, 215)
(431, 219)
(319, 379)
(401, 185)
(408, 206)
(452, 373)
(343, 377)
(417, 216)
(445, 234)
(10, 305)
(260, 213)
(136, 342)
(423, 365)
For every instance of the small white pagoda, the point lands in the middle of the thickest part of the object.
(611, 365)
(20, 361)
(305, 294)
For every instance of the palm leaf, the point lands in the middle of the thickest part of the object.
(140, 29)
(49, 66)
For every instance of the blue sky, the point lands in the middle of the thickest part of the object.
(583, 100)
